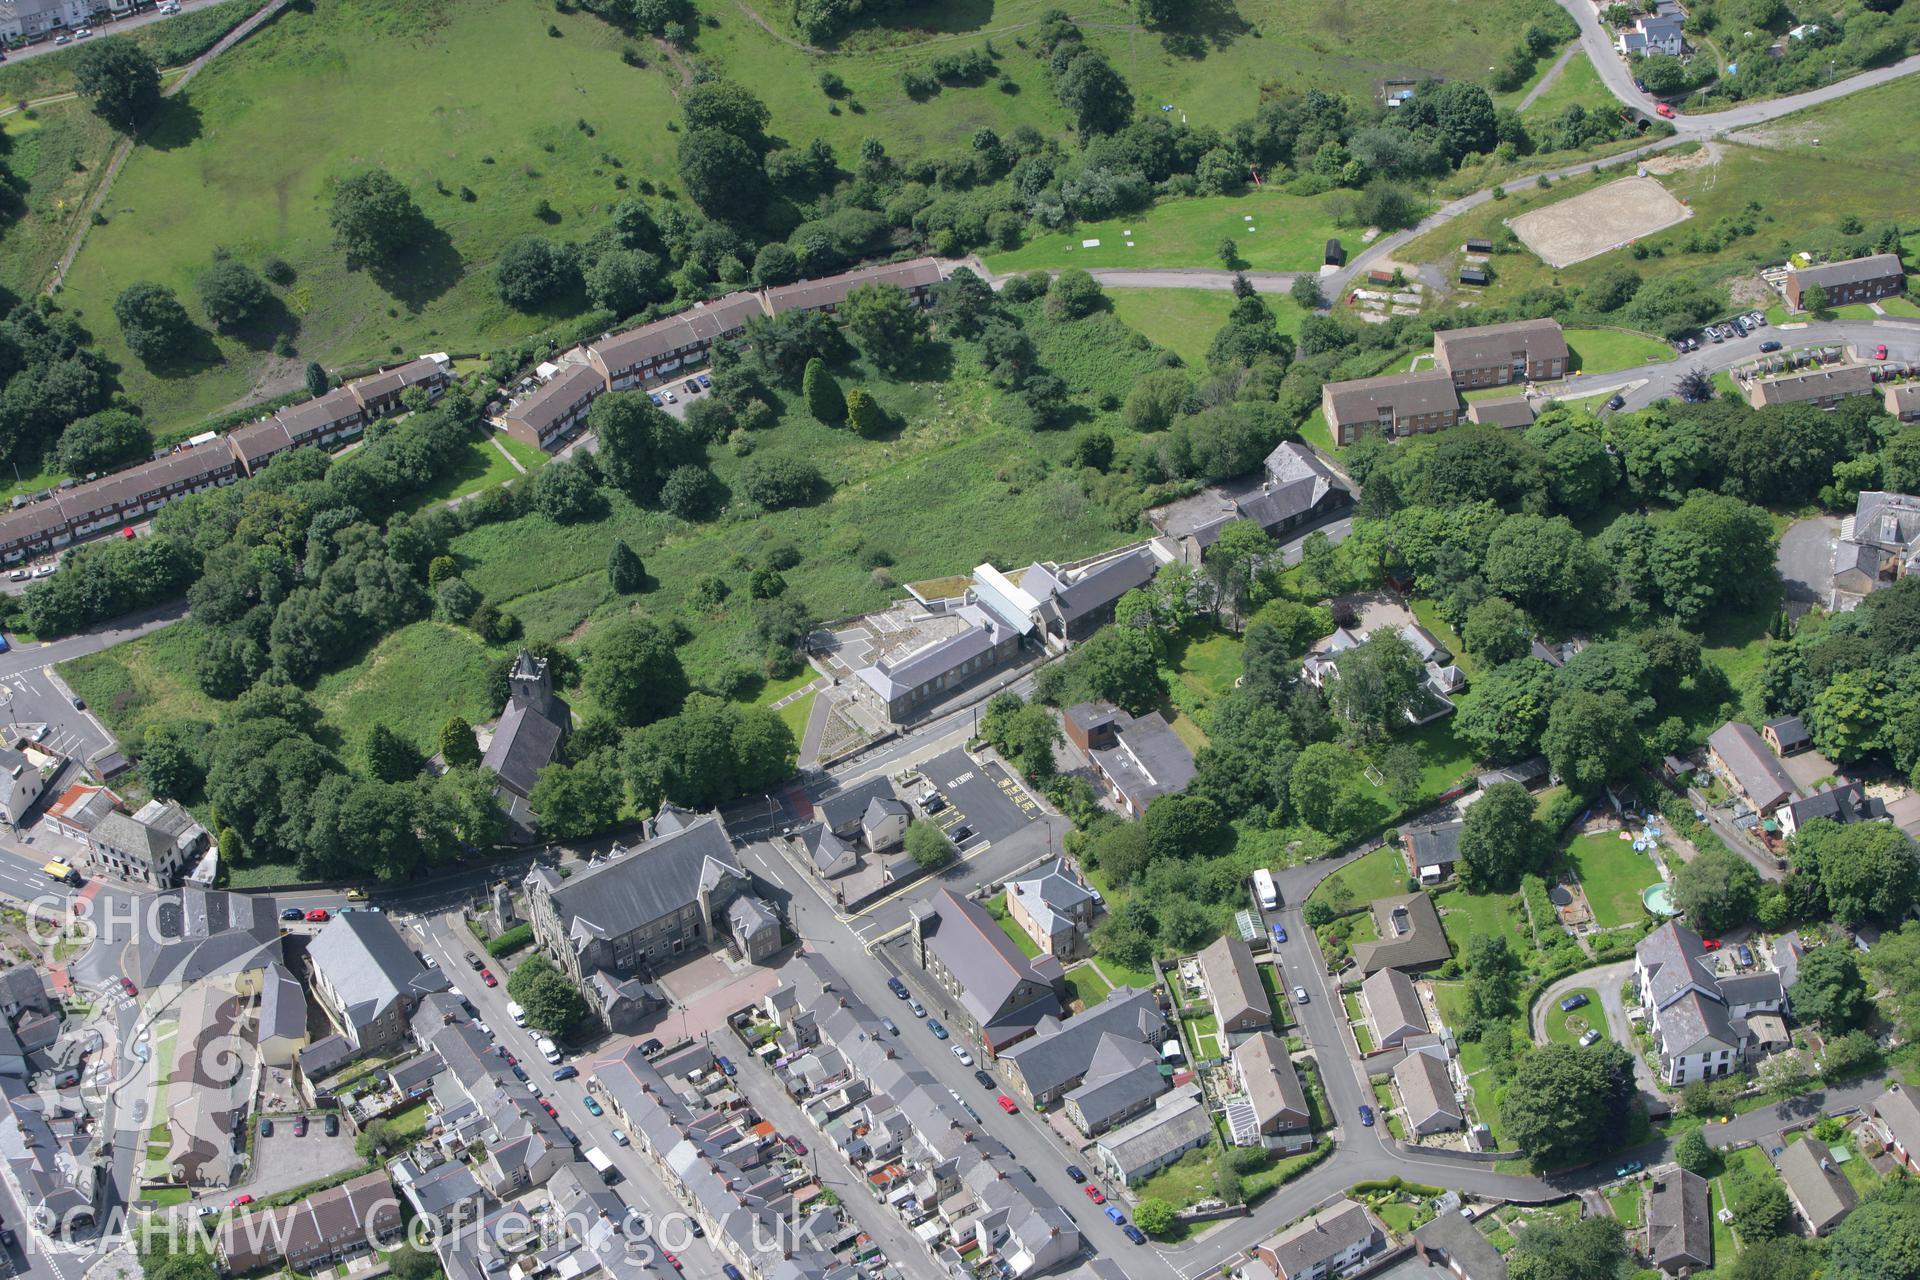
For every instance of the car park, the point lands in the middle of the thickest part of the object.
(1573, 1002)
(939, 1032)
(1366, 1115)
(960, 1052)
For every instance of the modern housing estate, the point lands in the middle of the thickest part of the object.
(1865, 279)
(1403, 404)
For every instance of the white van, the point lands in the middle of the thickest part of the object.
(518, 1014)
(548, 1049)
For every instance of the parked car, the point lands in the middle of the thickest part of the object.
(126, 985)
(486, 976)
(1769, 346)
(1591, 1037)
(1279, 934)
(1744, 954)
(1711, 944)
(658, 403)
(985, 1078)
(1628, 1169)
(239, 1200)
(1880, 351)
(1758, 319)
(1095, 1194)
(1075, 1172)
(1573, 1002)
(1616, 401)
(318, 915)
(1366, 1116)
(726, 1066)
(796, 1146)
(292, 913)
(331, 1126)
(619, 1137)
(939, 1032)
(1740, 325)
(1133, 1233)
(691, 387)
(80, 704)
(547, 1107)
(300, 1126)
(519, 1072)
(891, 1027)
(1008, 1105)
(898, 988)
(670, 1260)
(961, 834)
(705, 382)
(567, 1072)
(266, 1127)
(474, 962)
(960, 1052)
(1713, 332)
(917, 1009)
(548, 1050)
(1116, 1217)
(650, 1047)
(593, 1107)
(1299, 995)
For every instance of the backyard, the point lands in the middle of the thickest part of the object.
(1613, 873)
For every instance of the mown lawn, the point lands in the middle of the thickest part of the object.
(1379, 874)
(1184, 321)
(1605, 350)
(1464, 915)
(997, 908)
(1613, 875)
(1086, 987)
(1272, 231)
(1567, 1028)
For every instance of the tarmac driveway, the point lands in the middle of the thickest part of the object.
(1805, 561)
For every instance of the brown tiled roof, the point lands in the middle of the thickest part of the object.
(547, 405)
(258, 439)
(186, 467)
(320, 413)
(1490, 345)
(833, 290)
(1407, 394)
(1817, 384)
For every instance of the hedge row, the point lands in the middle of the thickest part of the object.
(510, 941)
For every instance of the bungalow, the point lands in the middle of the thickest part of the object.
(1820, 1193)
(1738, 753)
(1276, 1102)
(1431, 852)
(1410, 935)
(1323, 1244)
(1903, 401)
(1396, 404)
(1843, 803)
(1865, 279)
(1138, 758)
(1679, 1234)
(557, 409)
(1393, 1007)
(1426, 1094)
(1822, 388)
(1894, 1118)
(1234, 988)
(1178, 1123)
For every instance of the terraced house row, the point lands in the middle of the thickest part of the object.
(208, 461)
(623, 361)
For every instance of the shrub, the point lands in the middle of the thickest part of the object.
(511, 941)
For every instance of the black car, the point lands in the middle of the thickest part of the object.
(986, 1080)
(293, 913)
(1075, 1172)
(1134, 1233)
(79, 704)
(570, 1135)
(331, 1126)
(651, 1047)
(266, 1127)
(1769, 345)
(898, 987)
(1616, 402)
(935, 803)
(962, 833)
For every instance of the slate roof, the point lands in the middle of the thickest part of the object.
(1234, 983)
(1817, 384)
(1791, 731)
(1876, 266)
(258, 440)
(324, 1057)
(1123, 1074)
(893, 677)
(1819, 1189)
(43, 1165)
(1149, 759)
(1058, 1053)
(435, 1191)
(844, 810)
(1678, 1231)
(1410, 935)
(1070, 594)
(1757, 772)
(987, 965)
(121, 833)
(23, 985)
(1847, 802)
(541, 408)
(1177, 1120)
(530, 732)
(826, 849)
(1464, 1247)
(1051, 894)
(632, 889)
(367, 962)
(198, 933)
(81, 806)
(319, 414)
(398, 378)
(283, 1005)
(1435, 846)
(1272, 1084)
(1393, 1005)
(1426, 1093)
(1516, 412)
(1899, 1114)
(833, 290)
(1489, 346)
(1327, 1234)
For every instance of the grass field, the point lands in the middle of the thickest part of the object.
(1604, 350)
(1567, 1028)
(56, 153)
(1086, 987)
(1613, 876)
(1577, 82)
(1201, 666)
(1375, 875)
(1273, 232)
(1184, 321)
(1465, 914)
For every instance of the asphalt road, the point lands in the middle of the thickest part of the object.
(110, 27)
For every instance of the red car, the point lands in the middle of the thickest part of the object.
(1095, 1194)
(127, 534)
(1664, 109)
(548, 1107)
(1711, 944)
(486, 976)
(237, 1201)
(317, 916)
(670, 1259)
(1880, 352)
(300, 1127)
(1007, 1104)
(126, 985)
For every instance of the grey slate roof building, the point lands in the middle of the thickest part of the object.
(20, 785)
(1738, 751)
(283, 1016)
(1497, 354)
(842, 812)
(1878, 544)
(48, 1157)
(1323, 1243)
(198, 933)
(1698, 1020)
(637, 908)
(532, 730)
(1047, 1066)
(1515, 413)
(1820, 1193)
(1139, 758)
(1054, 908)
(1233, 985)
(1844, 803)
(909, 683)
(1003, 995)
(1070, 604)
(1396, 404)
(1455, 1243)
(1178, 1123)
(1679, 1234)
(368, 979)
(1426, 1094)
(1272, 1086)
(1823, 387)
(1122, 1080)
(1432, 851)
(1393, 1006)
(1410, 935)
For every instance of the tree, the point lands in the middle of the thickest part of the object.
(1717, 890)
(1813, 298)
(1865, 870)
(885, 323)
(390, 757)
(119, 81)
(151, 320)
(1760, 1210)
(533, 270)
(1095, 94)
(374, 217)
(708, 754)
(173, 759)
(1305, 292)
(232, 295)
(1117, 664)
(729, 107)
(824, 399)
(633, 673)
(552, 1004)
(962, 303)
(623, 280)
(1693, 1154)
(1228, 252)
(316, 378)
(1028, 735)
(457, 745)
(1566, 1104)
(563, 492)
(1588, 1249)
(1695, 386)
(1073, 293)
(1375, 683)
(777, 482)
(927, 844)
(409, 1263)
(1322, 790)
(625, 574)
(640, 445)
(1233, 561)
(1182, 826)
(1500, 840)
(1830, 990)
(864, 413)
(1782, 1258)
(1154, 1216)
(723, 175)
(377, 1138)
(1713, 551)
(1495, 632)
(103, 441)
(1589, 739)
(576, 801)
